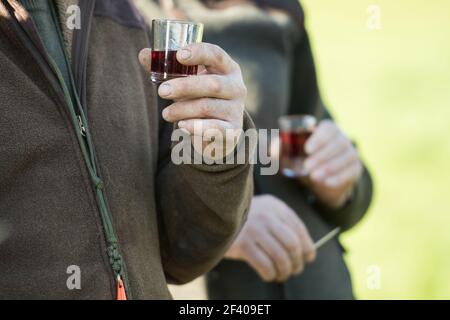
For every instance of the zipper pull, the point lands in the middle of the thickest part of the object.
(81, 125)
(121, 295)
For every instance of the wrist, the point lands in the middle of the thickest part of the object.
(335, 201)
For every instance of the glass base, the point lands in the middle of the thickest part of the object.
(293, 167)
(290, 173)
(161, 77)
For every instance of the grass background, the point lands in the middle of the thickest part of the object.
(390, 90)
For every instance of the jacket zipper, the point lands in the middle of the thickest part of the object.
(79, 123)
(85, 140)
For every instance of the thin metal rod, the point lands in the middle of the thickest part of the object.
(327, 237)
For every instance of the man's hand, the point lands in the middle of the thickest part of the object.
(214, 98)
(333, 164)
(274, 241)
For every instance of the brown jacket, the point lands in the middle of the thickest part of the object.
(172, 222)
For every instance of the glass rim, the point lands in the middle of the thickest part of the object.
(178, 21)
(297, 122)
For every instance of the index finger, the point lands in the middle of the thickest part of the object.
(321, 136)
(213, 57)
(294, 221)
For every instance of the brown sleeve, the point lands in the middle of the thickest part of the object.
(306, 99)
(200, 209)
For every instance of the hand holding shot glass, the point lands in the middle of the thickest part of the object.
(319, 155)
(212, 98)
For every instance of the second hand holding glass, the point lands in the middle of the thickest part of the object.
(295, 130)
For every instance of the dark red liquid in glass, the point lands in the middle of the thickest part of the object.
(166, 66)
(293, 144)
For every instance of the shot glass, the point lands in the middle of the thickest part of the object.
(168, 37)
(295, 131)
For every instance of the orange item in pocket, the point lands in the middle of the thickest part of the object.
(121, 295)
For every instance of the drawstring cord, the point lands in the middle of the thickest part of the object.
(86, 144)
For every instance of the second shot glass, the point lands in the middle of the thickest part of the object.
(295, 131)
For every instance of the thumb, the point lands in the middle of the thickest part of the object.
(145, 59)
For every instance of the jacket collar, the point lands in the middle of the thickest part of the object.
(17, 25)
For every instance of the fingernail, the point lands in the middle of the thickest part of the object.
(181, 123)
(165, 113)
(165, 90)
(309, 148)
(185, 54)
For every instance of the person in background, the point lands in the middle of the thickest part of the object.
(91, 205)
(274, 256)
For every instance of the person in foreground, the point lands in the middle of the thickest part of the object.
(274, 256)
(91, 205)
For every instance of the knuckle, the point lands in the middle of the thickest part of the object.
(205, 107)
(235, 65)
(215, 85)
(218, 53)
(240, 89)
(291, 245)
(279, 257)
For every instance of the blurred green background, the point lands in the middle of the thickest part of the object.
(390, 90)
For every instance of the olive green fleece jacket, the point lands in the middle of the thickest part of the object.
(173, 223)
